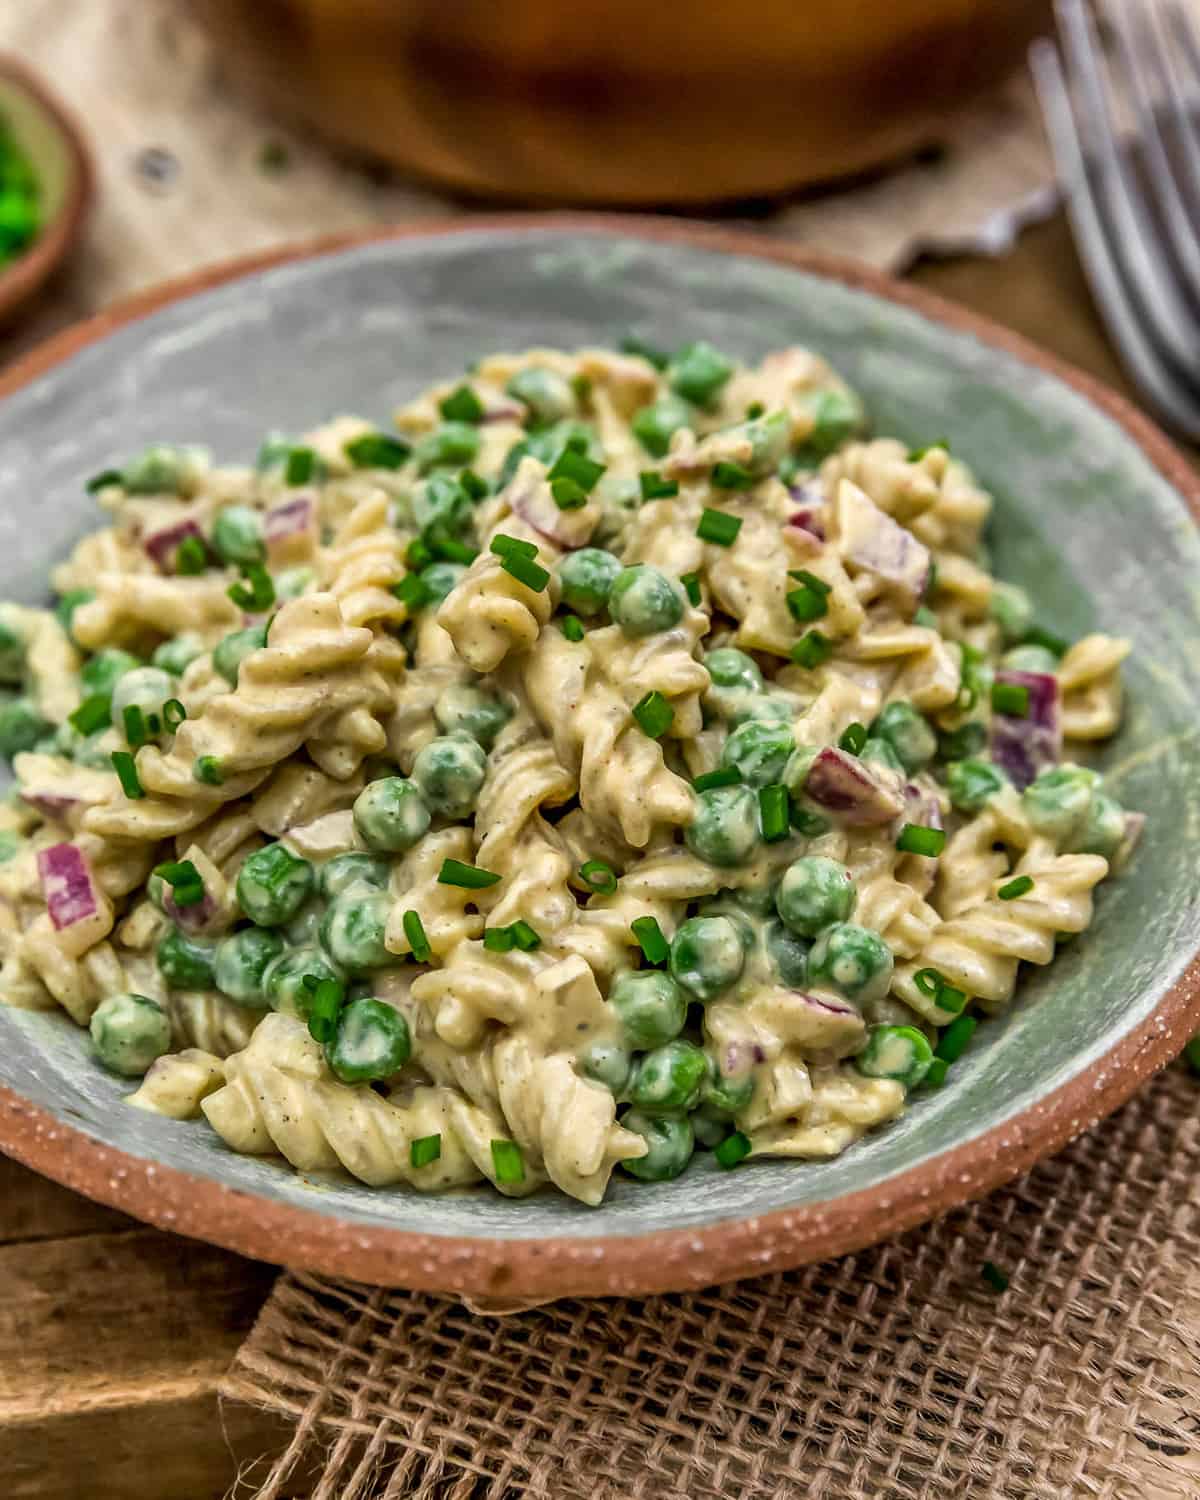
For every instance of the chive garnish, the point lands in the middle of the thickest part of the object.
(934, 987)
(462, 405)
(1036, 636)
(505, 546)
(727, 476)
(567, 495)
(718, 526)
(508, 1162)
(127, 775)
(599, 875)
(414, 931)
(812, 649)
(442, 544)
(916, 839)
(191, 557)
(413, 592)
(135, 725)
(853, 738)
(576, 466)
(915, 455)
(572, 628)
(525, 937)
(773, 813)
(650, 939)
(754, 411)
(525, 571)
(929, 982)
(1011, 698)
(300, 465)
(185, 880)
(691, 587)
(425, 1149)
(936, 1074)
(953, 1041)
(323, 1009)
(417, 555)
(655, 487)
(257, 592)
(733, 1149)
(722, 776)
(207, 768)
(102, 480)
(1018, 887)
(994, 1276)
(376, 450)
(469, 877)
(806, 604)
(174, 714)
(653, 714)
(92, 714)
(925, 618)
(474, 484)
(498, 940)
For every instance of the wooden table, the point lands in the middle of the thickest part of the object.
(113, 1337)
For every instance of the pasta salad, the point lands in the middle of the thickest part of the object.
(626, 756)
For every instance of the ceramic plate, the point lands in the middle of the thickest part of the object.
(1093, 515)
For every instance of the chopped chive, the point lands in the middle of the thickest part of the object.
(600, 875)
(931, 580)
(207, 768)
(650, 939)
(257, 592)
(414, 931)
(916, 839)
(722, 776)
(915, 455)
(718, 526)
(576, 466)
(191, 557)
(812, 649)
(581, 385)
(929, 982)
(936, 1074)
(300, 465)
(92, 714)
(994, 1276)
(413, 592)
(1011, 698)
(925, 618)
(469, 877)
(691, 587)
(462, 405)
(425, 1149)
(567, 494)
(731, 477)
(631, 344)
(655, 487)
(135, 725)
(1192, 1053)
(572, 628)
(733, 1149)
(123, 765)
(442, 544)
(498, 940)
(506, 546)
(102, 480)
(417, 555)
(653, 714)
(807, 604)
(773, 813)
(1036, 636)
(951, 999)
(525, 571)
(1018, 887)
(933, 985)
(323, 1009)
(181, 875)
(754, 411)
(953, 1041)
(474, 484)
(853, 738)
(802, 575)
(376, 450)
(174, 714)
(526, 938)
(508, 1162)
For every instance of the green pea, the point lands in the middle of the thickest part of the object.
(654, 425)
(725, 830)
(789, 954)
(466, 710)
(68, 603)
(452, 445)
(707, 955)
(102, 672)
(1012, 609)
(851, 959)
(547, 394)
(963, 743)
(669, 1078)
(442, 502)
(177, 654)
(762, 708)
(643, 600)
(909, 735)
(449, 771)
(880, 753)
(145, 688)
(608, 1064)
(12, 645)
(344, 871)
(241, 961)
(283, 979)
(973, 783)
(710, 1126)
(352, 931)
(371, 1041)
(129, 1032)
(1057, 802)
(728, 1095)
(273, 452)
(305, 926)
(273, 884)
(670, 1140)
(1103, 830)
(184, 962)
(1030, 659)
(814, 893)
(837, 416)
(440, 577)
(160, 470)
(769, 437)
(547, 443)
(21, 727)
(899, 1052)
(730, 668)
(699, 373)
(587, 578)
(759, 751)
(229, 653)
(650, 1007)
(238, 536)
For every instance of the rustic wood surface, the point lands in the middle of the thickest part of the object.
(113, 1336)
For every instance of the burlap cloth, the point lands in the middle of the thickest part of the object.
(897, 1374)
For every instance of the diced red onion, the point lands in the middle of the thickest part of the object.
(282, 522)
(1022, 747)
(740, 1057)
(809, 522)
(53, 805)
(66, 885)
(504, 411)
(194, 918)
(535, 505)
(833, 1022)
(873, 541)
(162, 545)
(843, 784)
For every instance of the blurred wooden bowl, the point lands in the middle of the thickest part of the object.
(60, 158)
(617, 101)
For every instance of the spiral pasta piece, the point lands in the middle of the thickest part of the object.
(445, 910)
(1089, 679)
(130, 606)
(177, 1084)
(490, 614)
(364, 562)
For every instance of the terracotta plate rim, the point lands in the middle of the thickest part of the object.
(661, 1260)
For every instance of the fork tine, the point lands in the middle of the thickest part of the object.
(1144, 65)
(1172, 401)
(1134, 237)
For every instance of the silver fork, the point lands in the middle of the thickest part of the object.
(1137, 231)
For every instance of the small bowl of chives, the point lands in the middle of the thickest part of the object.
(45, 185)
